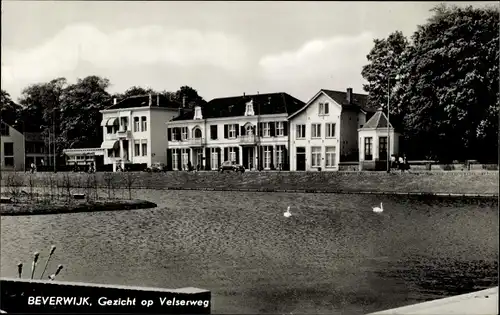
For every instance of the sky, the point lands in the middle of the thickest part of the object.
(221, 49)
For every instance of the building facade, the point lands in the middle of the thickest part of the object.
(37, 150)
(85, 157)
(248, 130)
(375, 147)
(134, 131)
(12, 148)
(324, 132)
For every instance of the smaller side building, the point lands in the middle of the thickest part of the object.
(12, 150)
(377, 141)
(37, 150)
(85, 157)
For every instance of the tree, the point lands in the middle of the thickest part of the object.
(80, 112)
(385, 61)
(449, 85)
(9, 111)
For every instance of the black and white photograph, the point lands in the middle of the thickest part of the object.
(249, 157)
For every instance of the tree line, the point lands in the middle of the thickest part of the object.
(443, 84)
(71, 112)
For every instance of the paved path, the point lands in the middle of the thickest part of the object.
(483, 302)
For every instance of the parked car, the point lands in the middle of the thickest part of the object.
(231, 166)
(156, 167)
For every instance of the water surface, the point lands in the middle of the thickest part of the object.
(334, 255)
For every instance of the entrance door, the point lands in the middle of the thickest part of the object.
(250, 159)
(301, 159)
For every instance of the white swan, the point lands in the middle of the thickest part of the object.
(287, 213)
(378, 209)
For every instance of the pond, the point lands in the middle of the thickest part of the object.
(333, 255)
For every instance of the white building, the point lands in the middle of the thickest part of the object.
(84, 156)
(249, 130)
(373, 142)
(12, 150)
(134, 130)
(325, 130)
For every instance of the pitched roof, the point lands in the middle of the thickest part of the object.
(264, 104)
(378, 120)
(143, 101)
(358, 101)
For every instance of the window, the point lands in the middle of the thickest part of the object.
(144, 147)
(136, 124)
(197, 133)
(232, 132)
(185, 159)
(175, 135)
(267, 157)
(144, 124)
(323, 109)
(280, 150)
(315, 156)
(301, 132)
(382, 148)
(8, 148)
(215, 159)
(175, 160)
(111, 153)
(213, 132)
(184, 133)
(330, 130)
(137, 148)
(232, 154)
(124, 123)
(4, 129)
(315, 130)
(9, 161)
(266, 130)
(368, 148)
(109, 129)
(330, 157)
(280, 129)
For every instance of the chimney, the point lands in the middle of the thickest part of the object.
(115, 101)
(197, 113)
(150, 99)
(349, 96)
(158, 99)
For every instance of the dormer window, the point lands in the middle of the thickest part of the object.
(249, 108)
(197, 113)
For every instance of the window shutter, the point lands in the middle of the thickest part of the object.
(226, 131)
(179, 159)
(188, 151)
(260, 130)
(226, 154)
(237, 129)
(285, 128)
(286, 159)
(169, 132)
(169, 159)
(326, 108)
(272, 157)
(272, 129)
(242, 128)
(237, 152)
(178, 134)
(208, 159)
(218, 156)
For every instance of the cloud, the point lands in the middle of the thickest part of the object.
(338, 59)
(151, 45)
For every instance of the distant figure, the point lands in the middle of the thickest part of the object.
(32, 167)
(75, 167)
(378, 209)
(92, 168)
(401, 164)
(393, 161)
(287, 213)
(405, 162)
(42, 162)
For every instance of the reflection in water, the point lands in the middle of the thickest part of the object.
(333, 255)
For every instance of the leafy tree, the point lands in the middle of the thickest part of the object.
(449, 85)
(80, 116)
(385, 61)
(9, 111)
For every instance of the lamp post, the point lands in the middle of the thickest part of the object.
(24, 143)
(388, 124)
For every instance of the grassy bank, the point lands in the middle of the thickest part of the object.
(421, 182)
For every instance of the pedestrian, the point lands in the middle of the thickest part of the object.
(401, 164)
(393, 161)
